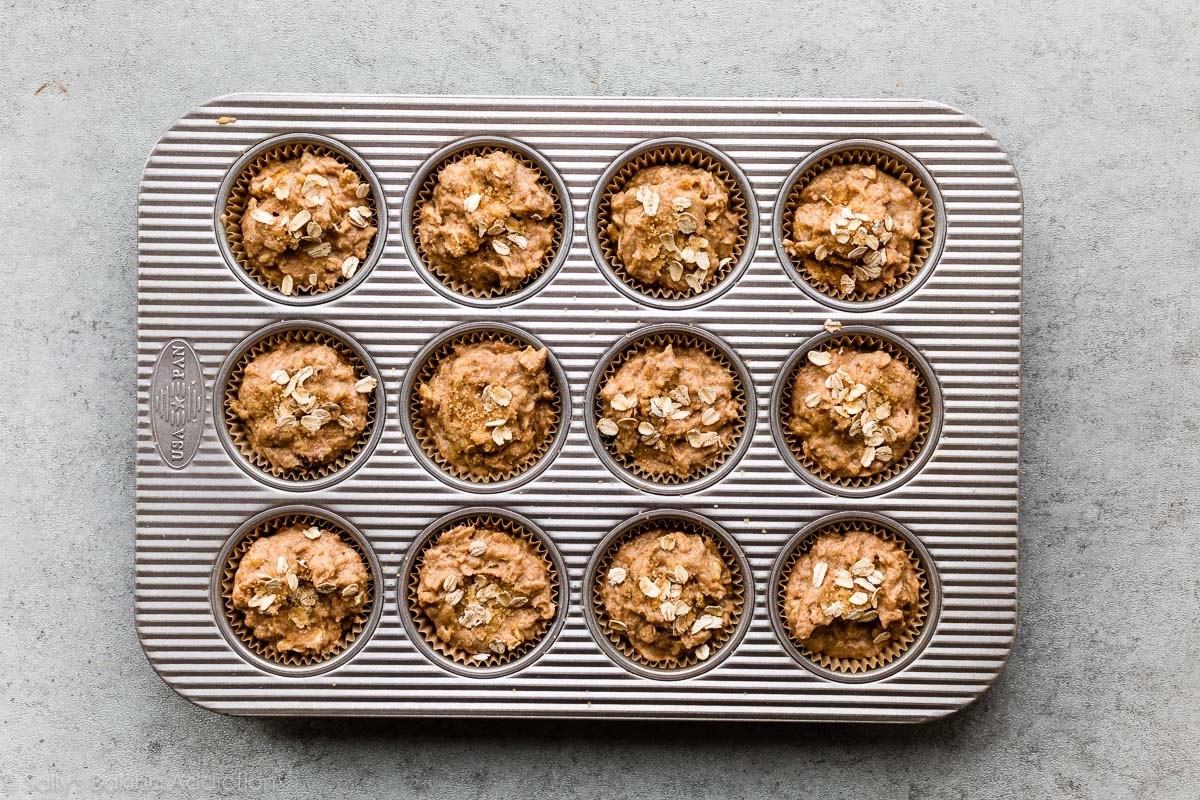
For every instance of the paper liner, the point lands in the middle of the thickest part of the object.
(426, 627)
(795, 446)
(891, 165)
(421, 428)
(237, 617)
(675, 155)
(235, 207)
(901, 639)
(233, 424)
(671, 525)
(636, 346)
(425, 194)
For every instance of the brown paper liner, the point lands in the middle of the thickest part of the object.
(235, 207)
(421, 429)
(425, 194)
(233, 423)
(901, 640)
(893, 166)
(661, 340)
(670, 524)
(676, 155)
(426, 627)
(237, 618)
(924, 413)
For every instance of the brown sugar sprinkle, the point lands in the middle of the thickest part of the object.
(285, 585)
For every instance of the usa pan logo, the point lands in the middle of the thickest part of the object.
(177, 403)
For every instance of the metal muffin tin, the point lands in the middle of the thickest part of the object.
(961, 504)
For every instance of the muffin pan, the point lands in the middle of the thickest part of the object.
(197, 495)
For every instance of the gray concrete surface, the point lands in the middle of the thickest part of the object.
(1099, 105)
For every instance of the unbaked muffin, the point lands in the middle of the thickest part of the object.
(488, 408)
(855, 228)
(301, 589)
(854, 412)
(668, 594)
(308, 222)
(490, 222)
(850, 594)
(670, 410)
(674, 227)
(302, 405)
(486, 592)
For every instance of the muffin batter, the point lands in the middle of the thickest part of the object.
(301, 405)
(670, 410)
(854, 412)
(490, 223)
(674, 228)
(855, 228)
(301, 589)
(485, 591)
(668, 593)
(488, 407)
(850, 594)
(308, 223)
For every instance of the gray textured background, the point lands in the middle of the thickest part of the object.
(1099, 105)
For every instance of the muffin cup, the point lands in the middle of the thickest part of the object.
(674, 152)
(929, 409)
(905, 646)
(232, 434)
(417, 431)
(614, 643)
(231, 620)
(658, 336)
(422, 630)
(900, 165)
(425, 180)
(231, 205)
